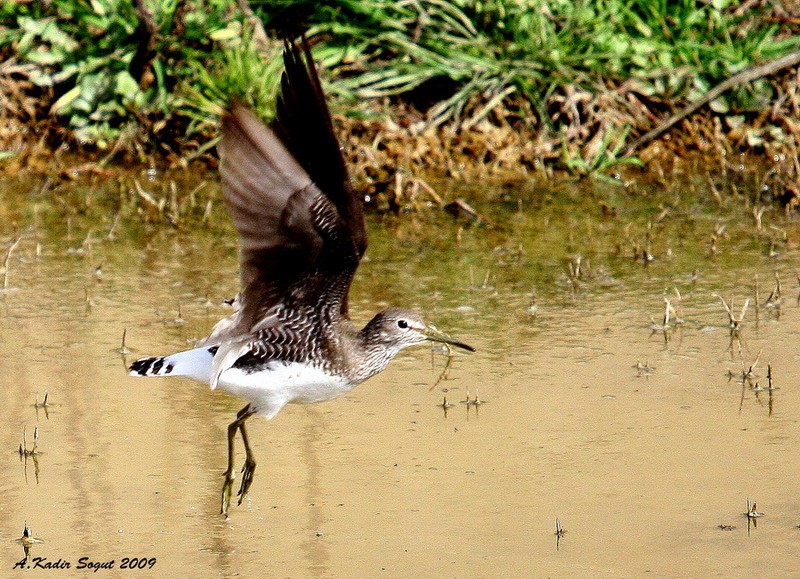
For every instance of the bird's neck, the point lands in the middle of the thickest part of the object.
(365, 355)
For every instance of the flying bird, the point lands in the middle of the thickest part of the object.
(301, 234)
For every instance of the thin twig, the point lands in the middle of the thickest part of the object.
(748, 75)
(7, 260)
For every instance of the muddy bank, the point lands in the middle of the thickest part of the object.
(394, 160)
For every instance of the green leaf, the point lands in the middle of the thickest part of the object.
(98, 8)
(720, 105)
(65, 100)
(44, 57)
(230, 32)
(125, 85)
(32, 26)
(40, 78)
(66, 72)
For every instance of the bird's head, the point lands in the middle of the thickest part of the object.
(398, 328)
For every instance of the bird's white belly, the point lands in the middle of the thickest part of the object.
(281, 383)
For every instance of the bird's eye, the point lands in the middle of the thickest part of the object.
(402, 324)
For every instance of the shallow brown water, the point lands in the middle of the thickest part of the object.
(640, 466)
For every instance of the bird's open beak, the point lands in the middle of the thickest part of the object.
(436, 335)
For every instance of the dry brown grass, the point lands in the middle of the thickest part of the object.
(391, 156)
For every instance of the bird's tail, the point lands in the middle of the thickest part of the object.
(194, 364)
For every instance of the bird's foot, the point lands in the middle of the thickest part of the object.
(248, 470)
(227, 487)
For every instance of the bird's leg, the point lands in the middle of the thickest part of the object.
(237, 424)
(229, 476)
(249, 467)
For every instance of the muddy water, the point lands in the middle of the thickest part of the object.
(636, 439)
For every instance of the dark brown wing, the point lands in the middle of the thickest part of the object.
(300, 228)
(259, 179)
(303, 123)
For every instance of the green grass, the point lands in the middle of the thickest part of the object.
(82, 53)
(499, 52)
(461, 62)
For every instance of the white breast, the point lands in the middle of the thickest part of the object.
(280, 383)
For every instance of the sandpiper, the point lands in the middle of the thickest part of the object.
(301, 234)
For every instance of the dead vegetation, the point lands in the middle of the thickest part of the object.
(394, 150)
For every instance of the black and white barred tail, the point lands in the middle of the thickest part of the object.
(195, 364)
(155, 366)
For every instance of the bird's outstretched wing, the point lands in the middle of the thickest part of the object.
(303, 123)
(288, 191)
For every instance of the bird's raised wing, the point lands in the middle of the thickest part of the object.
(303, 123)
(287, 188)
